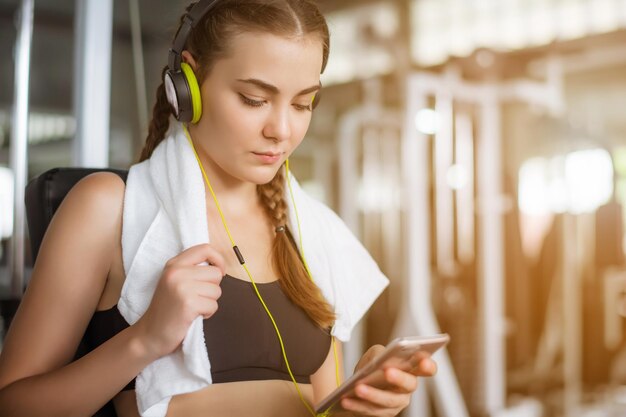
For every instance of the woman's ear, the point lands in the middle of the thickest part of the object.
(188, 58)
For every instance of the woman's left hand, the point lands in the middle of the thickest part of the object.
(370, 401)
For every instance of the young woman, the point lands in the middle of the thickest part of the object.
(258, 66)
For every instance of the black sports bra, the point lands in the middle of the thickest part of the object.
(240, 339)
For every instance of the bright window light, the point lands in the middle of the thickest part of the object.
(579, 182)
(457, 177)
(589, 175)
(533, 196)
(42, 127)
(603, 16)
(352, 56)
(427, 121)
(378, 194)
(442, 28)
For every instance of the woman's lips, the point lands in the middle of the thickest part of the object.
(268, 158)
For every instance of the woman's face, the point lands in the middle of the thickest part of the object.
(256, 105)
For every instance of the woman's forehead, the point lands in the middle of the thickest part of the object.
(290, 63)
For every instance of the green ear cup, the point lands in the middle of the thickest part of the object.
(192, 82)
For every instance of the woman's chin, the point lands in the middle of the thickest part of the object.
(264, 175)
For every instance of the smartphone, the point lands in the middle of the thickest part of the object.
(399, 353)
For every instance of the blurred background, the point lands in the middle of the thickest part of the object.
(476, 147)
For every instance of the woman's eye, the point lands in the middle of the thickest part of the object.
(302, 107)
(250, 102)
(258, 103)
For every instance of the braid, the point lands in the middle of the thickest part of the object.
(271, 195)
(294, 278)
(160, 121)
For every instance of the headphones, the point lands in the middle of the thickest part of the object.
(181, 85)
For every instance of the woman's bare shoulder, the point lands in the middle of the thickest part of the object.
(68, 279)
(85, 228)
(91, 212)
(100, 188)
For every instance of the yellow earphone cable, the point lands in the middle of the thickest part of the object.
(306, 266)
(295, 209)
(243, 264)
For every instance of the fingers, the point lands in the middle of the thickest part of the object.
(208, 290)
(374, 351)
(369, 400)
(368, 356)
(197, 254)
(424, 367)
(363, 408)
(204, 287)
(205, 307)
(403, 382)
(383, 398)
(207, 273)
(374, 401)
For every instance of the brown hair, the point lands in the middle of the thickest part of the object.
(208, 42)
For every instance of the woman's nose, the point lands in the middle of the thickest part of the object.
(278, 125)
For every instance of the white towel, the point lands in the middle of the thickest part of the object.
(165, 213)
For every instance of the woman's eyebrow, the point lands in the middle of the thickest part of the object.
(274, 90)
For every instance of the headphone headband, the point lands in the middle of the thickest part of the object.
(190, 20)
(181, 86)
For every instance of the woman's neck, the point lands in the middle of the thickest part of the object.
(234, 196)
(236, 200)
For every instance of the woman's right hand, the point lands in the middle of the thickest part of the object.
(187, 289)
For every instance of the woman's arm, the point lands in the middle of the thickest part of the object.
(324, 380)
(67, 282)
